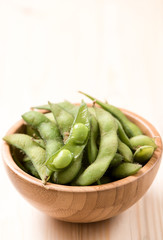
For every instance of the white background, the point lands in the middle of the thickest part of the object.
(111, 49)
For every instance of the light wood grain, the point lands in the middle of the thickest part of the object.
(88, 203)
(51, 49)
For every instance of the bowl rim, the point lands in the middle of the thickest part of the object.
(8, 160)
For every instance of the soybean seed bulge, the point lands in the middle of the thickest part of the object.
(80, 133)
(63, 159)
(143, 154)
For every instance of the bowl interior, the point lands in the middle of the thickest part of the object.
(144, 125)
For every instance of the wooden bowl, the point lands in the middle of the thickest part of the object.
(89, 203)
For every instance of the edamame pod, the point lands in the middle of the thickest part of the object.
(68, 174)
(143, 154)
(125, 151)
(122, 135)
(32, 150)
(92, 146)
(130, 128)
(36, 136)
(62, 159)
(107, 149)
(32, 132)
(69, 107)
(77, 139)
(50, 116)
(40, 142)
(142, 140)
(124, 170)
(30, 167)
(47, 129)
(63, 119)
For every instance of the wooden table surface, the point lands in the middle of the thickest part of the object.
(51, 49)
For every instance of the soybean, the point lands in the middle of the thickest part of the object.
(47, 129)
(63, 119)
(32, 150)
(125, 151)
(78, 137)
(68, 174)
(92, 149)
(130, 128)
(107, 149)
(32, 132)
(69, 107)
(143, 154)
(50, 116)
(124, 170)
(122, 135)
(40, 142)
(80, 145)
(142, 140)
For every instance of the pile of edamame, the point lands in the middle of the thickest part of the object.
(80, 145)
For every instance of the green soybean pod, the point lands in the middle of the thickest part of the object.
(69, 107)
(27, 163)
(122, 135)
(130, 128)
(125, 151)
(32, 132)
(32, 150)
(50, 116)
(63, 118)
(92, 149)
(118, 158)
(47, 129)
(40, 142)
(143, 154)
(142, 140)
(107, 149)
(125, 169)
(77, 139)
(67, 175)
(62, 159)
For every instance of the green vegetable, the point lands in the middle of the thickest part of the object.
(130, 128)
(48, 131)
(63, 119)
(125, 151)
(143, 154)
(107, 149)
(32, 150)
(80, 145)
(142, 140)
(73, 143)
(125, 169)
